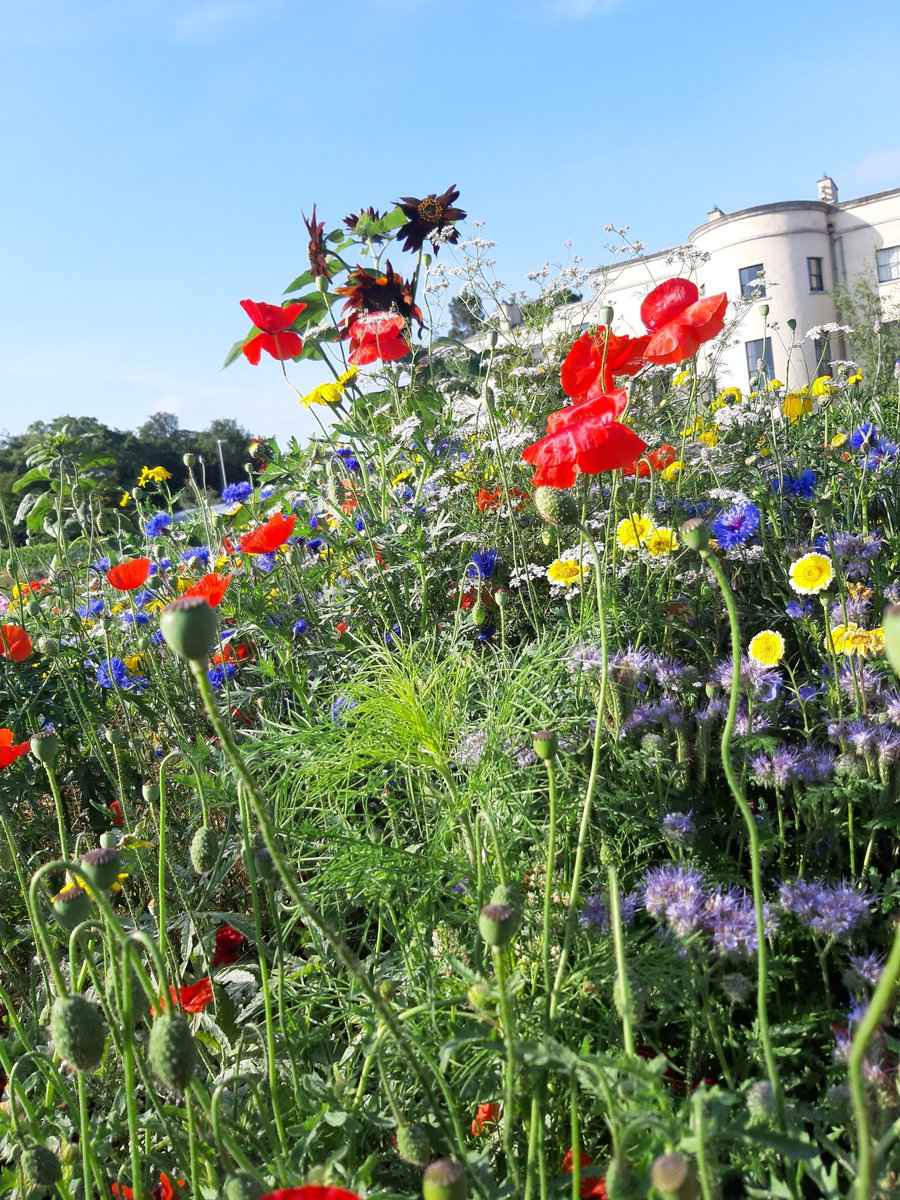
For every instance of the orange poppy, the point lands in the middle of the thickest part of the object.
(165, 1191)
(14, 643)
(193, 998)
(593, 1185)
(8, 752)
(211, 587)
(270, 536)
(679, 322)
(127, 576)
(486, 1116)
(590, 365)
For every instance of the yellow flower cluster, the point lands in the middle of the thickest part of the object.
(850, 639)
(567, 571)
(641, 532)
(152, 475)
(329, 393)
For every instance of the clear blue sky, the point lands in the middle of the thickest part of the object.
(157, 155)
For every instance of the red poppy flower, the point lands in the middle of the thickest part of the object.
(342, 627)
(593, 1185)
(486, 1116)
(127, 576)
(311, 1191)
(276, 336)
(118, 817)
(165, 1190)
(378, 337)
(486, 501)
(232, 653)
(679, 321)
(588, 446)
(595, 358)
(211, 587)
(229, 946)
(605, 406)
(662, 457)
(270, 536)
(194, 997)
(8, 752)
(14, 643)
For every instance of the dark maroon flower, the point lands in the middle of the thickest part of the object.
(430, 220)
(317, 251)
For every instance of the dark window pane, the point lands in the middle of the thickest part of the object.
(749, 285)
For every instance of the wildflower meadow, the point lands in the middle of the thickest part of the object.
(493, 797)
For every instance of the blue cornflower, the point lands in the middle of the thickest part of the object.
(797, 609)
(162, 565)
(102, 565)
(139, 618)
(112, 673)
(156, 524)
(802, 486)
(92, 609)
(865, 437)
(157, 638)
(736, 525)
(218, 675)
(341, 705)
(266, 493)
(237, 493)
(299, 627)
(314, 522)
(315, 544)
(196, 554)
(351, 462)
(483, 563)
(264, 562)
(392, 634)
(359, 524)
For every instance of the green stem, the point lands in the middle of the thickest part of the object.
(60, 811)
(509, 1082)
(624, 1001)
(548, 878)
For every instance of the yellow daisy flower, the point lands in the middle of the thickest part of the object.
(153, 475)
(811, 574)
(824, 385)
(766, 648)
(850, 639)
(567, 571)
(660, 541)
(631, 532)
(329, 393)
(126, 496)
(838, 440)
(730, 395)
(673, 470)
(794, 406)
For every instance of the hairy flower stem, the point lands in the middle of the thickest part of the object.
(572, 914)
(737, 791)
(60, 811)
(878, 1006)
(134, 1144)
(347, 958)
(624, 999)
(509, 1082)
(548, 877)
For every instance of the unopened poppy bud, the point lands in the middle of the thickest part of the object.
(387, 989)
(497, 923)
(45, 747)
(479, 613)
(494, 339)
(48, 646)
(825, 507)
(190, 627)
(670, 1173)
(322, 284)
(695, 534)
(204, 851)
(480, 994)
(546, 744)
(116, 738)
(189, 460)
(891, 623)
(242, 1186)
(150, 792)
(792, 323)
(33, 608)
(414, 1144)
(556, 506)
(510, 895)
(172, 1051)
(764, 310)
(138, 493)
(606, 315)
(426, 261)
(109, 840)
(264, 865)
(78, 1031)
(100, 867)
(71, 906)
(40, 1168)
(444, 1180)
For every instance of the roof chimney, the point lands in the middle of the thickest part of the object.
(828, 192)
(714, 213)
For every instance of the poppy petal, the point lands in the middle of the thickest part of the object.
(14, 643)
(127, 576)
(606, 406)
(270, 536)
(272, 318)
(667, 301)
(211, 587)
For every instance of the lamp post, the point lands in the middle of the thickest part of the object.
(222, 463)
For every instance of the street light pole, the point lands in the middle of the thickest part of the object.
(222, 464)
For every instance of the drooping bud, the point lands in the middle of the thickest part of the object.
(204, 850)
(40, 1168)
(78, 1031)
(556, 506)
(671, 1175)
(414, 1144)
(172, 1051)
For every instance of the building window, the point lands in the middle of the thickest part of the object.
(816, 278)
(822, 350)
(753, 284)
(888, 261)
(760, 352)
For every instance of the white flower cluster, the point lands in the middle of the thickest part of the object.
(820, 331)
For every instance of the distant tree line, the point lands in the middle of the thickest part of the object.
(159, 442)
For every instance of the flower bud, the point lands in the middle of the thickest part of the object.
(204, 850)
(33, 608)
(414, 1144)
(671, 1175)
(546, 744)
(189, 460)
(761, 1101)
(172, 1051)
(891, 623)
(190, 627)
(606, 315)
(764, 310)
(479, 613)
(792, 323)
(100, 867)
(48, 646)
(501, 597)
(322, 284)
(494, 339)
(695, 534)
(497, 924)
(109, 839)
(78, 1031)
(480, 994)
(242, 1186)
(45, 747)
(387, 989)
(71, 906)
(444, 1180)
(40, 1168)
(556, 506)
(116, 738)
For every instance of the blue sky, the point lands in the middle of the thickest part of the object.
(158, 154)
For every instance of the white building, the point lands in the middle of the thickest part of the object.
(788, 256)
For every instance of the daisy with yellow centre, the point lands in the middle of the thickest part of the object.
(855, 378)
(824, 385)
(329, 393)
(811, 574)
(794, 406)
(766, 648)
(631, 532)
(660, 542)
(850, 639)
(730, 395)
(567, 571)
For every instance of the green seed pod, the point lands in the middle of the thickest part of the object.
(78, 1031)
(502, 597)
(387, 989)
(792, 323)
(322, 284)
(479, 613)
(671, 1174)
(40, 1167)
(891, 623)
(444, 1180)
(172, 1051)
(109, 840)
(497, 924)
(546, 744)
(101, 867)
(33, 608)
(764, 310)
(48, 646)
(414, 1144)
(242, 1186)
(150, 792)
(190, 627)
(71, 906)
(606, 315)
(116, 738)
(138, 493)
(189, 460)
(556, 506)
(204, 850)
(695, 534)
(45, 747)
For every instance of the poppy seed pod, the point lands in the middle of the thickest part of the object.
(606, 315)
(150, 792)
(78, 1031)
(116, 738)
(546, 744)
(891, 623)
(189, 460)
(101, 867)
(414, 1144)
(172, 1051)
(695, 534)
(444, 1180)
(45, 747)
(71, 906)
(242, 1186)
(40, 1167)
(204, 850)
(48, 646)
(764, 310)
(497, 924)
(138, 493)
(190, 627)
(556, 506)
(792, 323)
(670, 1174)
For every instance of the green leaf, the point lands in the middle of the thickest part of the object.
(234, 353)
(795, 1148)
(301, 281)
(31, 477)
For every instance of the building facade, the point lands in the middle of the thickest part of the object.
(788, 256)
